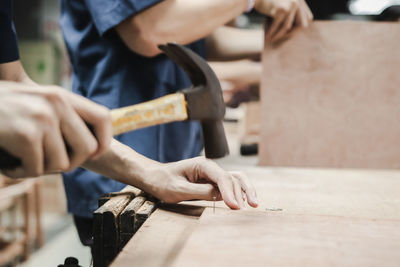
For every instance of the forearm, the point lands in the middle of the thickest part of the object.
(178, 21)
(228, 43)
(123, 164)
(14, 71)
(238, 72)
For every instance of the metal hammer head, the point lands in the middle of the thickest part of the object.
(204, 99)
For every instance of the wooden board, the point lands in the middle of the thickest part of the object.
(330, 97)
(369, 194)
(237, 239)
(160, 238)
(353, 198)
(106, 225)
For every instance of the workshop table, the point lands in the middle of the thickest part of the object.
(308, 217)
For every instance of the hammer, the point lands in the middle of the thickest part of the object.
(202, 102)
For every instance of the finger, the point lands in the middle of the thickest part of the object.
(276, 24)
(31, 158)
(308, 11)
(289, 23)
(244, 196)
(98, 117)
(207, 169)
(200, 192)
(55, 153)
(287, 26)
(247, 187)
(298, 18)
(79, 138)
(238, 193)
(226, 188)
(303, 17)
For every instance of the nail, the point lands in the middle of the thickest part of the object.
(254, 200)
(235, 203)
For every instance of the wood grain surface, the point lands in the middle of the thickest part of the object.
(161, 237)
(245, 238)
(330, 97)
(346, 208)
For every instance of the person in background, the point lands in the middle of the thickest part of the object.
(47, 128)
(113, 48)
(38, 122)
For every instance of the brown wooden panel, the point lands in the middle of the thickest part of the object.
(106, 238)
(127, 220)
(170, 226)
(330, 97)
(357, 198)
(240, 238)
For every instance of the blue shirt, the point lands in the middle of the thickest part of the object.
(8, 38)
(107, 72)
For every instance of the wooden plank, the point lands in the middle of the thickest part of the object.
(144, 213)
(127, 220)
(330, 97)
(106, 234)
(127, 190)
(370, 194)
(245, 238)
(97, 239)
(16, 189)
(170, 226)
(106, 226)
(127, 225)
(10, 252)
(359, 195)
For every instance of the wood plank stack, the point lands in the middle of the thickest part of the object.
(116, 220)
(19, 198)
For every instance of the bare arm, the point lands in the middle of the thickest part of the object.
(229, 43)
(185, 21)
(240, 73)
(196, 178)
(178, 21)
(13, 71)
(46, 126)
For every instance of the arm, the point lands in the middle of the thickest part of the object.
(178, 21)
(240, 73)
(229, 43)
(185, 21)
(13, 71)
(195, 178)
(46, 126)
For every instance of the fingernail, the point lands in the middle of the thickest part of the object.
(236, 204)
(254, 200)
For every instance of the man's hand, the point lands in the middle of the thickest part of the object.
(47, 128)
(202, 179)
(287, 16)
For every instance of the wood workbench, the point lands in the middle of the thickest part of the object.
(308, 217)
(322, 102)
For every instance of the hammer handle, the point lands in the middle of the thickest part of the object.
(161, 110)
(165, 109)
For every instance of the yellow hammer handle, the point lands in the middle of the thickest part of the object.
(161, 110)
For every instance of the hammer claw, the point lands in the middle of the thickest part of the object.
(189, 61)
(204, 99)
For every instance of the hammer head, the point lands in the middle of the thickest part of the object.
(204, 99)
